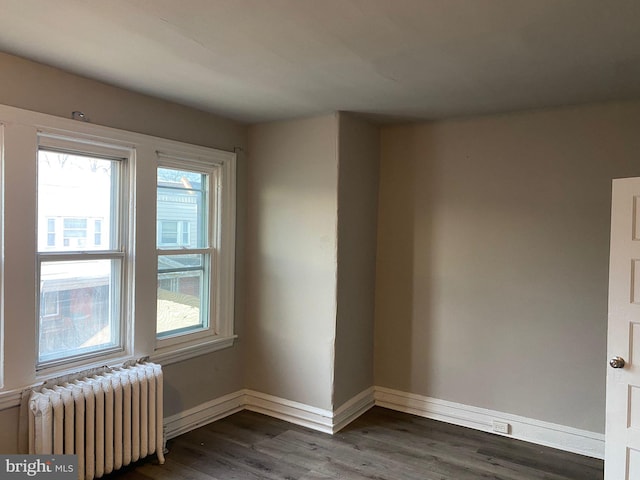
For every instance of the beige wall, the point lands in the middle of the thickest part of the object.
(359, 152)
(291, 259)
(493, 242)
(9, 434)
(33, 86)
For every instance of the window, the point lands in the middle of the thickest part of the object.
(184, 292)
(75, 232)
(173, 233)
(51, 232)
(50, 304)
(97, 233)
(81, 285)
(81, 200)
(194, 237)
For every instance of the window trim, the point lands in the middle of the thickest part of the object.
(19, 130)
(220, 166)
(120, 249)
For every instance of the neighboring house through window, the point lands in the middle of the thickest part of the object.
(81, 284)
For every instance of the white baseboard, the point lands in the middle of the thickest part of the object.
(535, 431)
(307, 416)
(203, 414)
(352, 409)
(290, 411)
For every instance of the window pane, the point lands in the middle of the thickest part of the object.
(182, 303)
(185, 232)
(181, 209)
(75, 232)
(79, 297)
(169, 233)
(77, 189)
(97, 232)
(51, 232)
(77, 308)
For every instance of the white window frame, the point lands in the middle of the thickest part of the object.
(121, 301)
(20, 131)
(219, 333)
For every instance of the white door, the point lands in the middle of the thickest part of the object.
(622, 447)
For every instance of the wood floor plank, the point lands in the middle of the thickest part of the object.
(172, 471)
(340, 458)
(249, 428)
(317, 476)
(534, 461)
(462, 459)
(246, 458)
(210, 463)
(454, 462)
(381, 445)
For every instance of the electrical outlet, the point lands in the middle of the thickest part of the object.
(501, 427)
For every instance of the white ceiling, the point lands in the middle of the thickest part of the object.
(258, 60)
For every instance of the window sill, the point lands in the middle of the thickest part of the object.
(10, 399)
(164, 356)
(168, 355)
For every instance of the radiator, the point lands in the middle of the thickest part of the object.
(109, 420)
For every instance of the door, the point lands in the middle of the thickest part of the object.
(622, 447)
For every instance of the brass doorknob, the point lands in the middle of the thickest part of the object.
(617, 362)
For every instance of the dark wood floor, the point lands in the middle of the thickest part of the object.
(381, 444)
